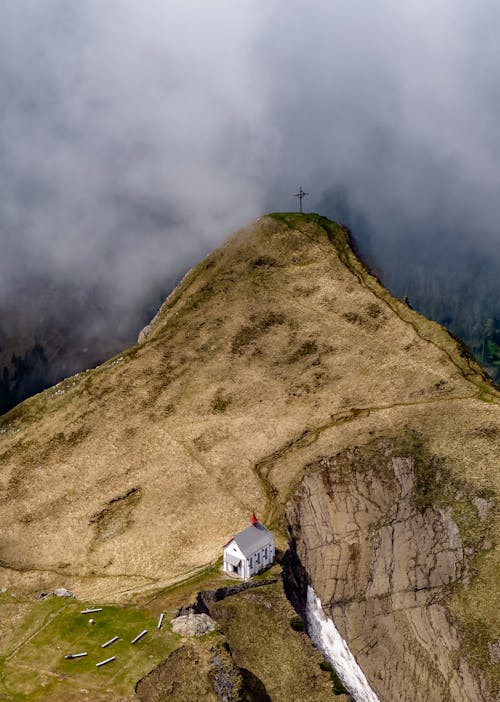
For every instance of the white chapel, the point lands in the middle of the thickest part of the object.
(249, 551)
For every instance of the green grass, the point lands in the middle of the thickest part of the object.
(335, 232)
(293, 218)
(32, 662)
(337, 686)
(257, 626)
(296, 623)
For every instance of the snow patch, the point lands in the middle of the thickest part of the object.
(328, 640)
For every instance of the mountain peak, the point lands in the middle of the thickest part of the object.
(277, 350)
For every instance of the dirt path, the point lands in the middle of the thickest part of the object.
(50, 618)
(264, 466)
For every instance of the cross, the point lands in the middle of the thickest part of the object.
(300, 195)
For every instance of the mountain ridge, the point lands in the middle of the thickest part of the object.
(276, 351)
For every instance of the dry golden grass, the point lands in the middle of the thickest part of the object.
(131, 476)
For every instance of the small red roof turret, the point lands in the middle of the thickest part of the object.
(254, 519)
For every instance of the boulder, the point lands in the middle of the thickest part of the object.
(193, 624)
(62, 592)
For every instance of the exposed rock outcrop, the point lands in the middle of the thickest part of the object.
(384, 556)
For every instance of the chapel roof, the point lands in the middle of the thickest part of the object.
(252, 538)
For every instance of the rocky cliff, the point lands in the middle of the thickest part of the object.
(279, 376)
(379, 530)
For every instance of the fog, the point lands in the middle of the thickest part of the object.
(130, 136)
(134, 137)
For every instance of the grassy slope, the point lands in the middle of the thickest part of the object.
(32, 663)
(257, 626)
(131, 476)
(36, 635)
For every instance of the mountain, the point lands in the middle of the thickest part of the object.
(446, 275)
(53, 325)
(279, 376)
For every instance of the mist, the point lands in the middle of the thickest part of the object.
(135, 137)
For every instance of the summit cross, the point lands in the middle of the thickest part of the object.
(301, 194)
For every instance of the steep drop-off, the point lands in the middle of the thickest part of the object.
(385, 534)
(279, 376)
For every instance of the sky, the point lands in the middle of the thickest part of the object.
(136, 136)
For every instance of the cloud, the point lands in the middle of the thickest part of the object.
(398, 103)
(130, 135)
(135, 136)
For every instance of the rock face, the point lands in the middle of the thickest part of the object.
(383, 561)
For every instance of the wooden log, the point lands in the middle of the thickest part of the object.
(104, 662)
(139, 636)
